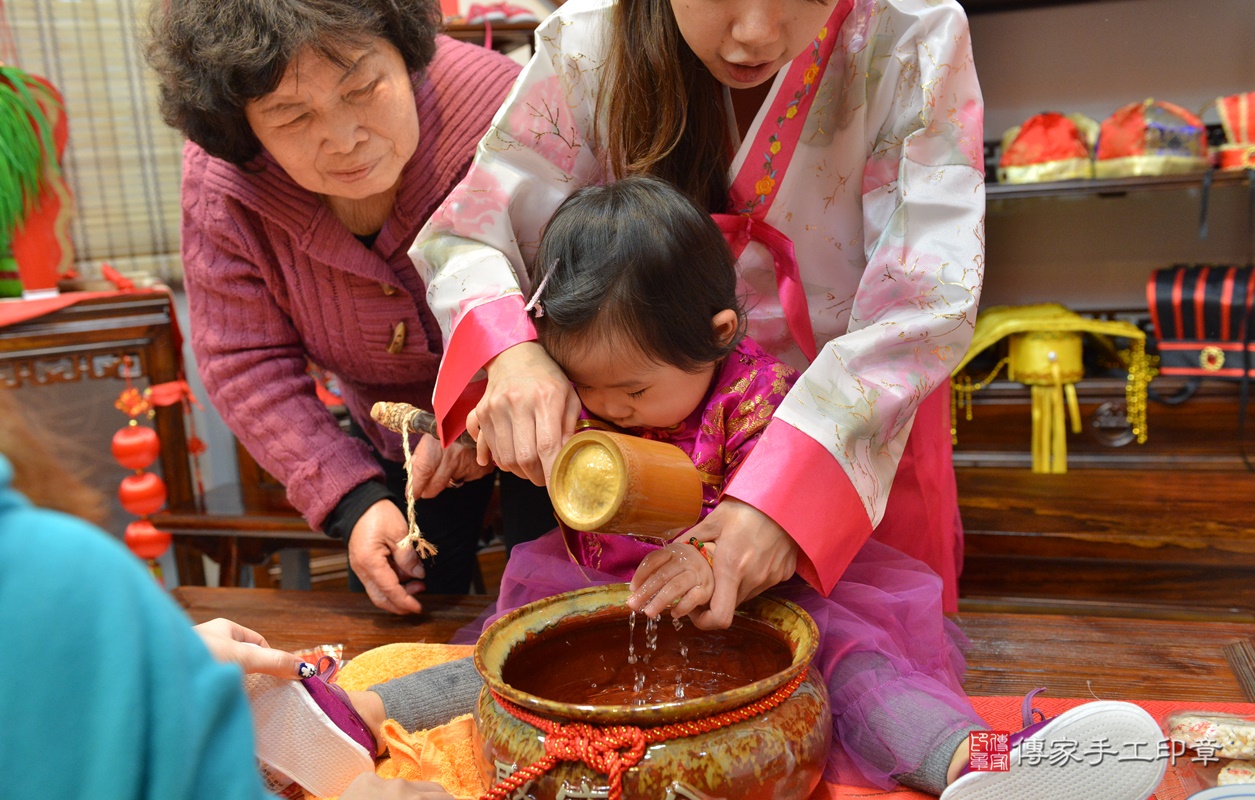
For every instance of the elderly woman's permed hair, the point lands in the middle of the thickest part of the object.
(214, 56)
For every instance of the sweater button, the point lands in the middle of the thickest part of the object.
(388, 289)
(398, 339)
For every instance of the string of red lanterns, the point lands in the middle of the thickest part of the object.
(142, 493)
(137, 448)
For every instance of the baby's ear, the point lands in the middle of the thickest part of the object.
(726, 324)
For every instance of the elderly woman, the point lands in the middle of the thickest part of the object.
(323, 134)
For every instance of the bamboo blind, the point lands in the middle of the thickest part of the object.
(122, 162)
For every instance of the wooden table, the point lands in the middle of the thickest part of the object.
(1074, 656)
(292, 620)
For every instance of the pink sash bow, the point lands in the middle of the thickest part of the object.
(740, 230)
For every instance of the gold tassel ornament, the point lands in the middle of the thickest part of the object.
(1045, 353)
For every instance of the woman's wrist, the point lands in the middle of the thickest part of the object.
(515, 357)
(343, 518)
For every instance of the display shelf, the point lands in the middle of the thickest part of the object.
(1151, 526)
(1136, 539)
(1115, 187)
(505, 35)
(990, 6)
(1200, 434)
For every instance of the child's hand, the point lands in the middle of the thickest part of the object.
(678, 573)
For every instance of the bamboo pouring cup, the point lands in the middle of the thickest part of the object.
(615, 483)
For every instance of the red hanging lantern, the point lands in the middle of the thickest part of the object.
(146, 541)
(143, 493)
(136, 446)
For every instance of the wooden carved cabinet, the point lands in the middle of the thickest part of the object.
(89, 349)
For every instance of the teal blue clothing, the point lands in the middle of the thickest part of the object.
(107, 692)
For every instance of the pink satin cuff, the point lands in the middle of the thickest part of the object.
(791, 478)
(480, 335)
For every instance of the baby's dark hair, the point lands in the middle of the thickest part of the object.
(635, 262)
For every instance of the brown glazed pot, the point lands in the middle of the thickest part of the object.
(777, 755)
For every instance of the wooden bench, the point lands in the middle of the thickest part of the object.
(236, 535)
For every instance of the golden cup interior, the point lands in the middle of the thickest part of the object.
(588, 482)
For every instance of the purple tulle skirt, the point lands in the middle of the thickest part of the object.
(891, 659)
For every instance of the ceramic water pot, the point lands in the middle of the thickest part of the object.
(777, 754)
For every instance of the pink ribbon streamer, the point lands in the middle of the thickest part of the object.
(739, 231)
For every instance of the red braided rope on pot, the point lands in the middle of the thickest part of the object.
(614, 749)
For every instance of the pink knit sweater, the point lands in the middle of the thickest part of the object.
(274, 279)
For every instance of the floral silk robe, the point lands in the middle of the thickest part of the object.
(865, 162)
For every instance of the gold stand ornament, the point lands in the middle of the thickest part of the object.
(1044, 352)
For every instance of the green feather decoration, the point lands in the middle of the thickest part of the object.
(27, 151)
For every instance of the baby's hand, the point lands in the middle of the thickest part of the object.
(677, 574)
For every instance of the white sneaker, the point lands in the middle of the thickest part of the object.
(1103, 750)
(308, 732)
